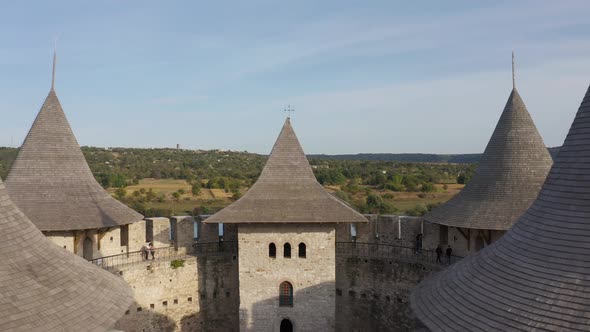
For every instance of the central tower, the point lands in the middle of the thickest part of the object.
(286, 241)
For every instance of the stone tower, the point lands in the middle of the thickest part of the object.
(506, 182)
(46, 288)
(537, 276)
(286, 242)
(53, 186)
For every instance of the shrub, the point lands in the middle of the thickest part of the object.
(177, 263)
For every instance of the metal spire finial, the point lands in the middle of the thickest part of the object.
(289, 110)
(513, 80)
(54, 61)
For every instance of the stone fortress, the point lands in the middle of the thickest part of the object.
(288, 256)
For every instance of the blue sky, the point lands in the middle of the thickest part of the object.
(392, 76)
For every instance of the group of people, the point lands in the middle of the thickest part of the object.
(439, 250)
(147, 250)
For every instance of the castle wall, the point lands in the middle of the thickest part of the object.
(62, 239)
(183, 234)
(200, 296)
(391, 229)
(160, 231)
(313, 277)
(372, 294)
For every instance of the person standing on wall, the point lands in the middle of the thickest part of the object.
(449, 253)
(144, 252)
(439, 253)
(152, 250)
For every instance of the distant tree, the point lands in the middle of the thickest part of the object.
(120, 193)
(181, 191)
(374, 203)
(427, 187)
(150, 195)
(196, 188)
(176, 195)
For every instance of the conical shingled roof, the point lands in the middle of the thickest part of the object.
(287, 192)
(45, 288)
(537, 276)
(52, 184)
(508, 178)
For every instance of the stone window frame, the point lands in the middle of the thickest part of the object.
(302, 253)
(272, 250)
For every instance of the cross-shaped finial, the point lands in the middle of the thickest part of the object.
(289, 110)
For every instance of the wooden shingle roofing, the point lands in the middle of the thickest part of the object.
(46, 288)
(537, 276)
(52, 184)
(287, 192)
(507, 179)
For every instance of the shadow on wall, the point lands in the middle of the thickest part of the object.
(304, 315)
(218, 292)
(372, 294)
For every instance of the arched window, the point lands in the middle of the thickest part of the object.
(286, 294)
(272, 250)
(287, 250)
(302, 253)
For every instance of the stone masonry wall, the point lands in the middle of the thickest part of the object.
(200, 296)
(373, 294)
(313, 277)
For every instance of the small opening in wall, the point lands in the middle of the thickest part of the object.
(152, 306)
(272, 250)
(111, 238)
(120, 273)
(226, 294)
(233, 258)
(287, 250)
(127, 312)
(190, 299)
(351, 293)
(138, 309)
(338, 291)
(65, 247)
(364, 296)
(175, 301)
(165, 303)
(302, 250)
(387, 298)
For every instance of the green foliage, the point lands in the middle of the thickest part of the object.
(328, 176)
(418, 210)
(177, 263)
(196, 188)
(120, 193)
(427, 187)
